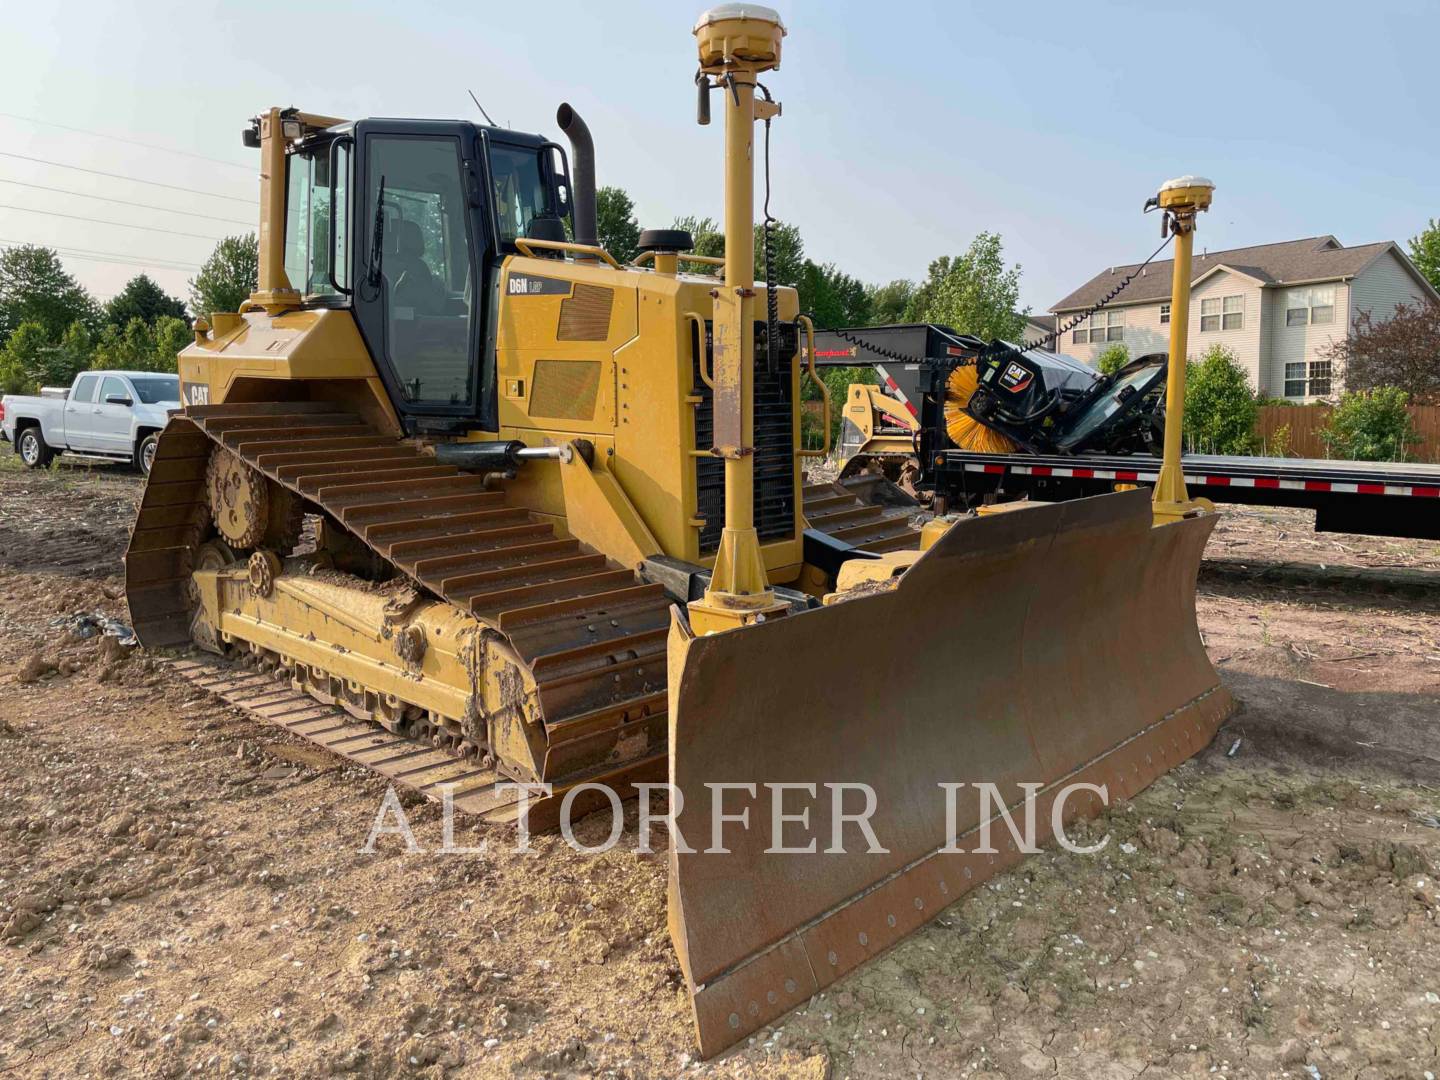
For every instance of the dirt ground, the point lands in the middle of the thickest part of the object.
(183, 890)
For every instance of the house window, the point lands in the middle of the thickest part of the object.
(1164, 314)
(1081, 336)
(1222, 313)
(1106, 326)
(1310, 306)
(1307, 380)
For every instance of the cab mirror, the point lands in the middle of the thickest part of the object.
(119, 399)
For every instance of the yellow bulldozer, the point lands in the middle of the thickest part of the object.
(527, 514)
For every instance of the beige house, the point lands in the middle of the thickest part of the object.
(1275, 306)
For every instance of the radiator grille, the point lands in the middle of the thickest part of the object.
(585, 314)
(565, 389)
(774, 445)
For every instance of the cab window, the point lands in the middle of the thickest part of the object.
(417, 197)
(112, 387)
(84, 392)
(309, 252)
(522, 192)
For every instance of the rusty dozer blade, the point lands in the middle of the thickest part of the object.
(1052, 645)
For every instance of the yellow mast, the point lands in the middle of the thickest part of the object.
(736, 43)
(1181, 200)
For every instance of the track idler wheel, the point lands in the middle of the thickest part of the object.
(211, 555)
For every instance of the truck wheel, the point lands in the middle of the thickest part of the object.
(32, 449)
(145, 453)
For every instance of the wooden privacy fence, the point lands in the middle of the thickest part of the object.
(1306, 421)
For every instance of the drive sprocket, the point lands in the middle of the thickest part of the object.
(248, 508)
(239, 499)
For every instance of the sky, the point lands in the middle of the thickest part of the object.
(907, 127)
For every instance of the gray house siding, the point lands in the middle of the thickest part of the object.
(1307, 344)
(1245, 340)
(1381, 285)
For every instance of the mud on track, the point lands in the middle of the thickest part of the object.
(182, 889)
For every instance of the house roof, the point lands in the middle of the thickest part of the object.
(1316, 258)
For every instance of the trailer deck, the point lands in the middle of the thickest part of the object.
(1374, 498)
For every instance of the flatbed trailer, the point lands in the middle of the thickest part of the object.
(1371, 498)
(912, 362)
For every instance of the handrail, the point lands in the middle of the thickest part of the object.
(524, 244)
(709, 260)
(809, 325)
(700, 365)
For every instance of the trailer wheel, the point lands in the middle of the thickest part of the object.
(145, 453)
(30, 445)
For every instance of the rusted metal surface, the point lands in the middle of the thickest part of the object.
(584, 626)
(1053, 644)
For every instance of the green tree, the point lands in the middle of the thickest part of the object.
(1372, 425)
(171, 335)
(35, 288)
(616, 224)
(973, 293)
(129, 348)
(888, 303)
(228, 277)
(142, 299)
(923, 295)
(1220, 407)
(785, 241)
(13, 379)
(1113, 358)
(139, 347)
(23, 359)
(1425, 252)
(705, 232)
(789, 252)
(832, 298)
(1399, 349)
(76, 348)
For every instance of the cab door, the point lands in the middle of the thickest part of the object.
(110, 419)
(79, 407)
(419, 291)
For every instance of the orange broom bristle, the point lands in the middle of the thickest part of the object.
(964, 430)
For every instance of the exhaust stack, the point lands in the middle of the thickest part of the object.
(582, 148)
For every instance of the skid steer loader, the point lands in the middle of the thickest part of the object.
(526, 514)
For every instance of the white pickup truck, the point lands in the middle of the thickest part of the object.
(112, 414)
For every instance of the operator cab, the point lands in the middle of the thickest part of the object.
(406, 222)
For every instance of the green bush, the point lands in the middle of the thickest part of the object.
(1112, 359)
(13, 379)
(1220, 408)
(1371, 425)
(23, 359)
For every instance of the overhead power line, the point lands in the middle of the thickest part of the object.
(125, 202)
(130, 179)
(132, 142)
(108, 257)
(117, 224)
